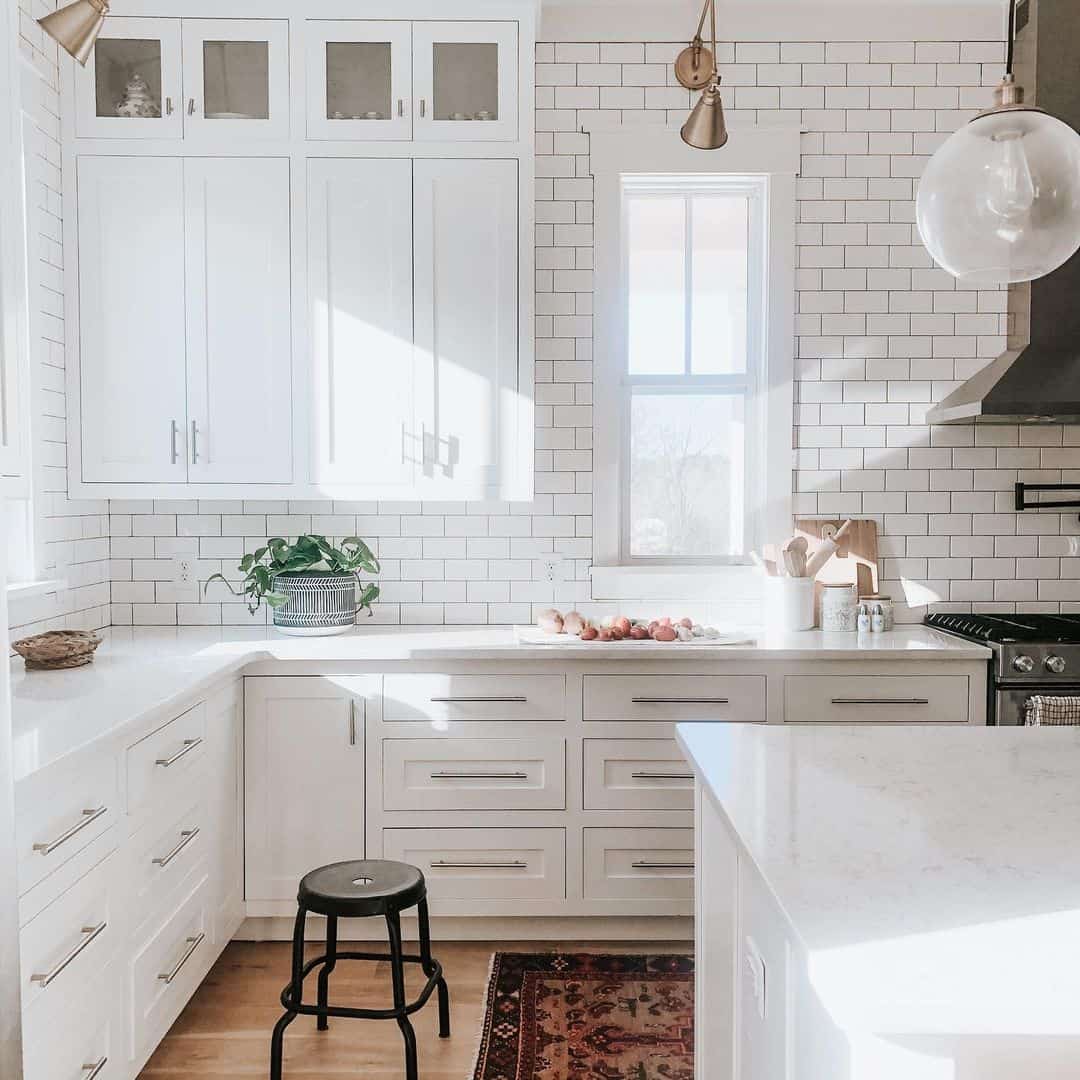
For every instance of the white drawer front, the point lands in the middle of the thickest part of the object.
(473, 697)
(876, 699)
(162, 855)
(474, 774)
(636, 774)
(639, 864)
(484, 864)
(71, 941)
(163, 762)
(57, 815)
(167, 967)
(675, 698)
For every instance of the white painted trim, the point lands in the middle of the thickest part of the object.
(20, 590)
(770, 152)
(775, 20)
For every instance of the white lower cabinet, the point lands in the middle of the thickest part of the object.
(629, 864)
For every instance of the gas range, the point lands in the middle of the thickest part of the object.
(1032, 654)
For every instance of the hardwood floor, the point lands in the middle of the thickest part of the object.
(224, 1033)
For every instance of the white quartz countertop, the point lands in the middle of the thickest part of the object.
(137, 671)
(932, 873)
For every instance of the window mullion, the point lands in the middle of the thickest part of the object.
(688, 281)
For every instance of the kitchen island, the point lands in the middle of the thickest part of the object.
(887, 903)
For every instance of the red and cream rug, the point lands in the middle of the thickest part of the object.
(588, 1017)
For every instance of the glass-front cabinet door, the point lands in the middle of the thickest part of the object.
(359, 79)
(465, 80)
(236, 77)
(131, 86)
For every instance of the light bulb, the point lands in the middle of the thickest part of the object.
(1010, 189)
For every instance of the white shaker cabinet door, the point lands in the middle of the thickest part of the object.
(131, 316)
(466, 280)
(361, 291)
(239, 327)
(303, 778)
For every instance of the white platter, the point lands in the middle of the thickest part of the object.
(531, 635)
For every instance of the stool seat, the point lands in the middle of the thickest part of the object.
(362, 887)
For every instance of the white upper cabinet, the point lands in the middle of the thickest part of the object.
(465, 267)
(236, 77)
(131, 315)
(465, 78)
(239, 348)
(361, 283)
(359, 79)
(131, 87)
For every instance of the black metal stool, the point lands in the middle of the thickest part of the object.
(351, 890)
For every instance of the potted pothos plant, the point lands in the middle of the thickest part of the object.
(310, 585)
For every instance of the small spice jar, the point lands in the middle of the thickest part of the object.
(839, 608)
(882, 613)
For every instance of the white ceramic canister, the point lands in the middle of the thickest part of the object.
(839, 608)
(789, 603)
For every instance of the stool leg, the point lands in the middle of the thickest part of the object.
(429, 967)
(296, 984)
(397, 971)
(324, 973)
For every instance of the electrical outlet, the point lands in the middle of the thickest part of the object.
(553, 569)
(183, 570)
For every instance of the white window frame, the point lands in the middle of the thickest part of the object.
(765, 160)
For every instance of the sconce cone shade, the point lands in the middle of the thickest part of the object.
(705, 128)
(76, 27)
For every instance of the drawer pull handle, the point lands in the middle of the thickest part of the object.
(643, 865)
(662, 776)
(354, 720)
(88, 818)
(442, 864)
(94, 1068)
(192, 944)
(189, 745)
(880, 701)
(514, 699)
(680, 701)
(185, 838)
(479, 776)
(90, 934)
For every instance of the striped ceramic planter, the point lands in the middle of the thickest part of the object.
(320, 603)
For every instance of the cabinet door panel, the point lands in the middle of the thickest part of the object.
(303, 778)
(238, 320)
(360, 277)
(466, 279)
(131, 313)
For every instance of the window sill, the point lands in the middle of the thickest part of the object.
(705, 584)
(19, 590)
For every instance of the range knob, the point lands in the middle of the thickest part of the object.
(1024, 664)
(1055, 665)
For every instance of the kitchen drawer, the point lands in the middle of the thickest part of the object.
(636, 774)
(77, 1035)
(57, 814)
(162, 854)
(70, 941)
(484, 864)
(639, 864)
(165, 761)
(474, 774)
(473, 697)
(675, 698)
(875, 699)
(167, 966)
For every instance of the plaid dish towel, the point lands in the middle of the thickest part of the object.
(1043, 711)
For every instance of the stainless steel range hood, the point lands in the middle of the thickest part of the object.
(1038, 379)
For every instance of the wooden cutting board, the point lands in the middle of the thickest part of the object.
(856, 560)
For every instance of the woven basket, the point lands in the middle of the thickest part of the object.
(320, 603)
(57, 649)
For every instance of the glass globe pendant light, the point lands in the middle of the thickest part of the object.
(1000, 200)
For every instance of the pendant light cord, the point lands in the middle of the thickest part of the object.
(1012, 38)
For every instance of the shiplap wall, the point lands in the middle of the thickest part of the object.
(73, 537)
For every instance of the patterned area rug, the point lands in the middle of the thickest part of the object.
(586, 1017)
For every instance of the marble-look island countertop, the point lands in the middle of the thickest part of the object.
(137, 671)
(931, 876)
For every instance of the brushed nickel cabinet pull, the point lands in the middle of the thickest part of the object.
(353, 720)
(423, 107)
(186, 836)
(880, 701)
(512, 699)
(680, 701)
(400, 106)
(90, 934)
(479, 776)
(444, 864)
(191, 107)
(168, 106)
(661, 776)
(88, 818)
(643, 865)
(189, 745)
(194, 443)
(175, 433)
(192, 944)
(93, 1069)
